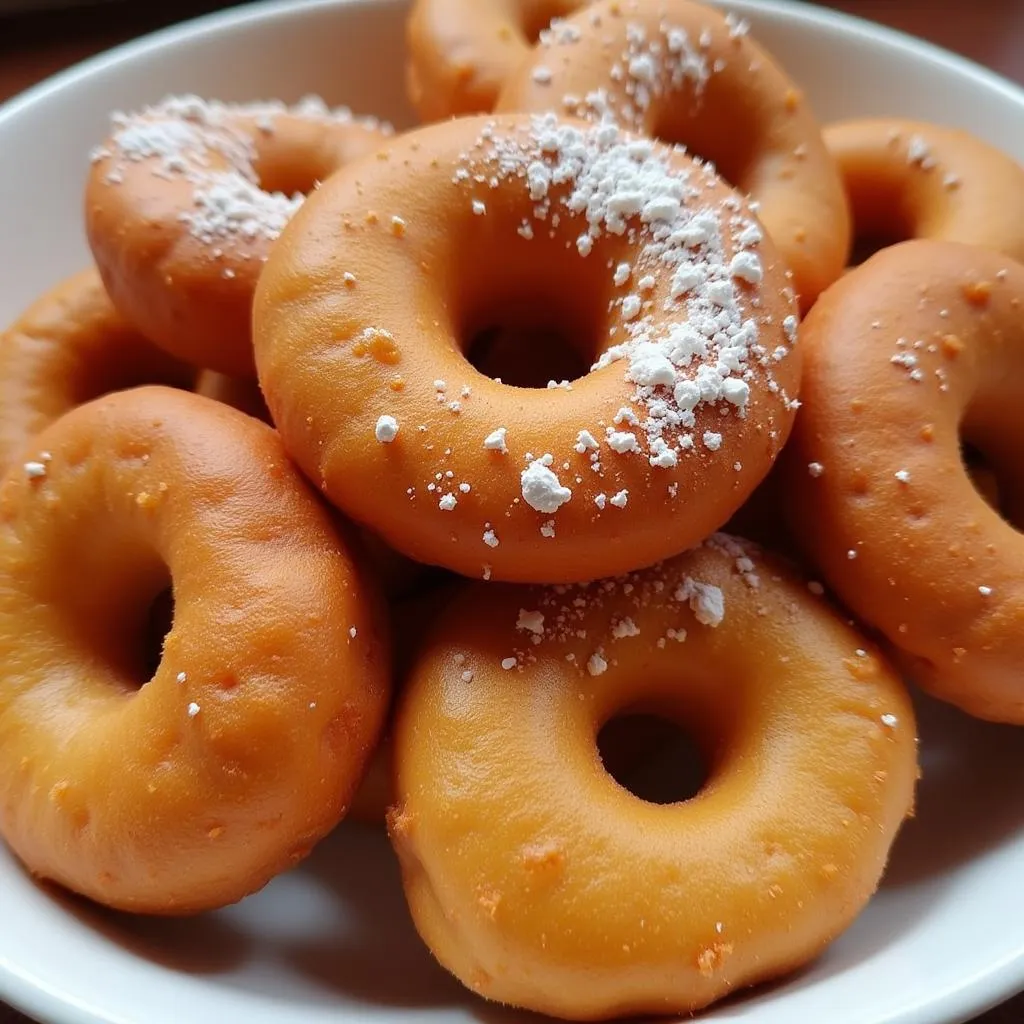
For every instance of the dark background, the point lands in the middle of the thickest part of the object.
(37, 44)
(34, 45)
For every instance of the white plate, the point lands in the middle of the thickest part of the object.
(943, 940)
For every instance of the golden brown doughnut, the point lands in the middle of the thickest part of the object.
(915, 351)
(69, 347)
(186, 198)
(462, 51)
(538, 881)
(394, 574)
(192, 789)
(909, 179)
(649, 264)
(683, 73)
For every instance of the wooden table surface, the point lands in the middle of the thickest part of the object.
(988, 31)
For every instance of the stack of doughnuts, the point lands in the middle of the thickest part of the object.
(295, 525)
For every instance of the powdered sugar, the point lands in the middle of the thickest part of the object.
(542, 490)
(705, 600)
(622, 441)
(625, 628)
(650, 67)
(691, 341)
(495, 441)
(587, 624)
(919, 153)
(530, 621)
(791, 325)
(210, 145)
(386, 429)
(559, 31)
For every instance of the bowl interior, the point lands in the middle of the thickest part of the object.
(332, 940)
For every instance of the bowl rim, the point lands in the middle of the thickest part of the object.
(1002, 979)
(262, 11)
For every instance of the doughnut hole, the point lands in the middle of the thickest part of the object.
(285, 172)
(884, 214)
(528, 345)
(529, 326)
(115, 604)
(653, 757)
(159, 621)
(867, 243)
(994, 485)
(298, 154)
(992, 446)
(664, 740)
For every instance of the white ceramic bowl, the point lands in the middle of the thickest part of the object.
(331, 942)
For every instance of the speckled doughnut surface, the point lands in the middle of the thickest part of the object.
(914, 352)
(66, 348)
(908, 179)
(539, 881)
(652, 267)
(684, 73)
(184, 201)
(191, 789)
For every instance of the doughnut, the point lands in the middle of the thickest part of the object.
(241, 393)
(462, 51)
(540, 882)
(185, 199)
(394, 574)
(644, 261)
(191, 789)
(913, 354)
(683, 73)
(909, 179)
(69, 347)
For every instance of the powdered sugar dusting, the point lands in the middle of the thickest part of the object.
(649, 67)
(542, 490)
(210, 145)
(919, 153)
(705, 600)
(607, 615)
(386, 429)
(691, 343)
